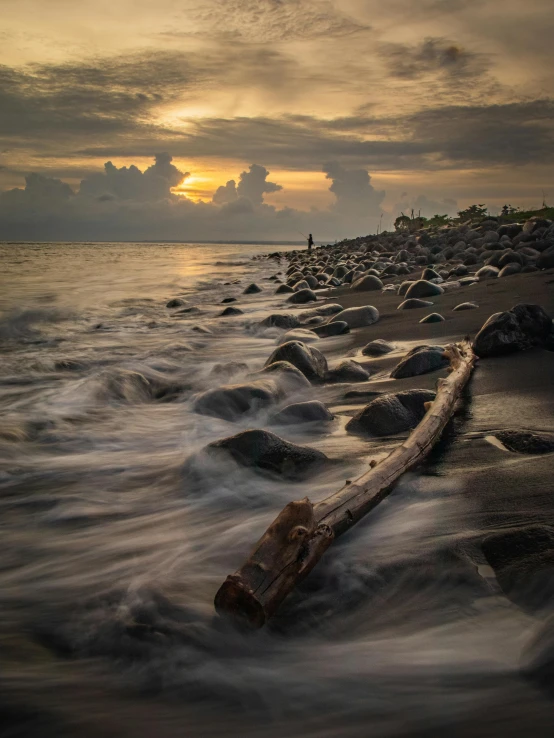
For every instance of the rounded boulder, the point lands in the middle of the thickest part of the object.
(368, 283)
(389, 414)
(263, 450)
(423, 288)
(357, 317)
(302, 296)
(307, 359)
(302, 412)
(420, 360)
(379, 347)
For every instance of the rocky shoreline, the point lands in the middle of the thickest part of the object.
(384, 293)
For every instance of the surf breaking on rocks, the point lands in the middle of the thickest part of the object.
(124, 511)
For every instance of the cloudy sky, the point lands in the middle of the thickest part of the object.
(256, 119)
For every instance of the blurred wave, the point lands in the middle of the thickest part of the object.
(112, 552)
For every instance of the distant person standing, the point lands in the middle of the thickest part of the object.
(310, 241)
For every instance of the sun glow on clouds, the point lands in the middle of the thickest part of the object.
(197, 187)
(454, 101)
(301, 189)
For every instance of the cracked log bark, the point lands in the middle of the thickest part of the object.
(302, 532)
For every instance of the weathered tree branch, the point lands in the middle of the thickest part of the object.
(301, 533)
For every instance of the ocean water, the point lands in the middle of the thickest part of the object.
(111, 555)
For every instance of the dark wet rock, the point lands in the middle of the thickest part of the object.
(283, 289)
(188, 311)
(413, 303)
(487, 272)
(391, 413)
(301, 285)
(357, 317)
(511, 230)
(131, 386)
(432, 318)
(490, 237)
(509, 269)
(422, 288)
(252, 289)
(466, 306)
(379, 347)
(348, 371)
(460, 271)
(429, 274)
(228, 299)
(523, 561)
(287, 376)
(368, 283)
(525, 442)
(225, 371)
(322, 311)
(201, 329)
(520, 328)
(302, 296)
(230, 402)
(534, 321)
(299, 334)
(404, 287)
(358, 394)
(307, 359)
(332, 329)
(352, 276)
(420, 360)
(280, 320)
(302, 412)
(491, 258)
(535, 224)
(546, 259)
(340, 271)
(499, 335)
(231, 311)
(451, 285)
(261, 449)
(311, 323)
(176, 302)
(510, 257)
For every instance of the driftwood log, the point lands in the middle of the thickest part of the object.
(302, 532)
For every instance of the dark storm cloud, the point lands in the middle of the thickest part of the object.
(106, 97)
(55, 105)
(107, 110)
(110, 108)
(432, 55)
(283, 142)
(511, 134)
(437, 138)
